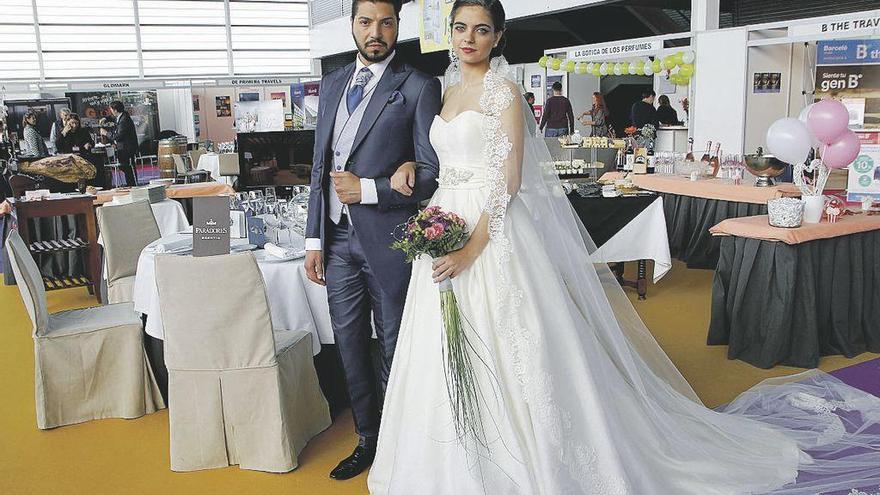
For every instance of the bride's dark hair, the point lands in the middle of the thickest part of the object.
(496, 12)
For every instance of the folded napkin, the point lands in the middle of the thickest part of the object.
(278, 251)
(173, 246)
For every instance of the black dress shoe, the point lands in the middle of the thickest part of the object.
(354, 464)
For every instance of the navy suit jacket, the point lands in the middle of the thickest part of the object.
(395, 129)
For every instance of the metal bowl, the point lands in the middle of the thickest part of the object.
(765, 168)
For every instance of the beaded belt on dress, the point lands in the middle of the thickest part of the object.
(459, 178)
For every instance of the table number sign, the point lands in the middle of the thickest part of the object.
(256, 231)
(210, 225)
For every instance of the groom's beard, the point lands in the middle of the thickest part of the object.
(374, 54)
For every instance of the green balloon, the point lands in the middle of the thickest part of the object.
(686, 70)
(596, 70)
(679, 58)
(669, 62)
(569, 66)
(657, 65)
(555, 64)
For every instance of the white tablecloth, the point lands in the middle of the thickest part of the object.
(210, 162)
(295, 303)
(169, 214)
(643, 238)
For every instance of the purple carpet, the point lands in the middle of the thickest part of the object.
(864, 376)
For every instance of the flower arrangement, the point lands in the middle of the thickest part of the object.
(437, 233)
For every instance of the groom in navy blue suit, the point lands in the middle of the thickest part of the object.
(374, 115)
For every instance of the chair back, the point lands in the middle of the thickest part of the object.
(195, 155)
(126, 230)
(30, 282)
(228, 326)
(180, 163)
(229, 164)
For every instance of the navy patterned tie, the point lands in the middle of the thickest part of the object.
(356, 93)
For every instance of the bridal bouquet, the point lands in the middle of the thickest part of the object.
(437, 233)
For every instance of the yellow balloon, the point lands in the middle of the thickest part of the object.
(657, 65)
(581, 68)
(569, 66)
(555, 64)
(669, 62)
(624, 67)
(640, 64)
(686, 70)
(543, 61)
(596, 71)
(679, 58)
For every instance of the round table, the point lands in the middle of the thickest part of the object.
(295, 303)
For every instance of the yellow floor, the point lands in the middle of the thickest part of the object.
(131, 457)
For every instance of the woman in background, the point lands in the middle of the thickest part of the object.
(33, 141)
(665, 113)
(598, 117)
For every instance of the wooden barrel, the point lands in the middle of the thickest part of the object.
(168, 147)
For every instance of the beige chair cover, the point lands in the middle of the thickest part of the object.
(229, 164)
(238, 393)
(88, 363)
(126, 230)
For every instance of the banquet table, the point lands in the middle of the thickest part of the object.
(626, 228)
(210, 162)
(790, 296)
(295, 303)
(693, 207)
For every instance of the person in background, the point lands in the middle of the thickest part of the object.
(599, 115)
(558, 116)
(73, 138)
(530, 99)
(126, 141)
(643, 112)
(33, 141)
(665, 113)
(58, 126)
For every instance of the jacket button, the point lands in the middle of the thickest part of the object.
(338, 153)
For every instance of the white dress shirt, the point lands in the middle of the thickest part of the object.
(369, 194)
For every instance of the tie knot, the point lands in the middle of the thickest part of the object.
(363, 77)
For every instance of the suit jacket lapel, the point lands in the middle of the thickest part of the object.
(333, 94)
(393, 77)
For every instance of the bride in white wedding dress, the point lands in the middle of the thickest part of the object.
(576, 396)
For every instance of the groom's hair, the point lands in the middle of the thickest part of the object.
(396, 3)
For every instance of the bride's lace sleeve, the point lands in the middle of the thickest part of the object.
(503, 133)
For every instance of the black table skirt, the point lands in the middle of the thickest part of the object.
(688, 221)
(775, 303)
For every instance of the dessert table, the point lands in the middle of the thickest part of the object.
(790, 296)
(295, 302)
(693, 207)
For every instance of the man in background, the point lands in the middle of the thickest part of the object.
(58, 126)
(643, 111)
(558, 116)
(126, 141)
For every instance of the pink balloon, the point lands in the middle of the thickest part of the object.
(842, 152)
(827, 120)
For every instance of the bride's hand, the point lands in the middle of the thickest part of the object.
(404, 179)
(451, 265)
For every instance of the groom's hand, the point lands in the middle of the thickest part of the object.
(314, 266)
(348, 187)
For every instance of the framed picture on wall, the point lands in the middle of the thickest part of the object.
(195, 103)
(279, 96)
(536, 81)
(224, 106)
(249, 97)
(767, 82)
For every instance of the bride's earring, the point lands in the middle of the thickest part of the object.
(453, 58)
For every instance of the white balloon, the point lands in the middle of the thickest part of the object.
(688, 57)
(805, 113)
(590, 68)
(632, 69)
(603, 69)
(649, 70)
(789, 139)
(617, 70)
